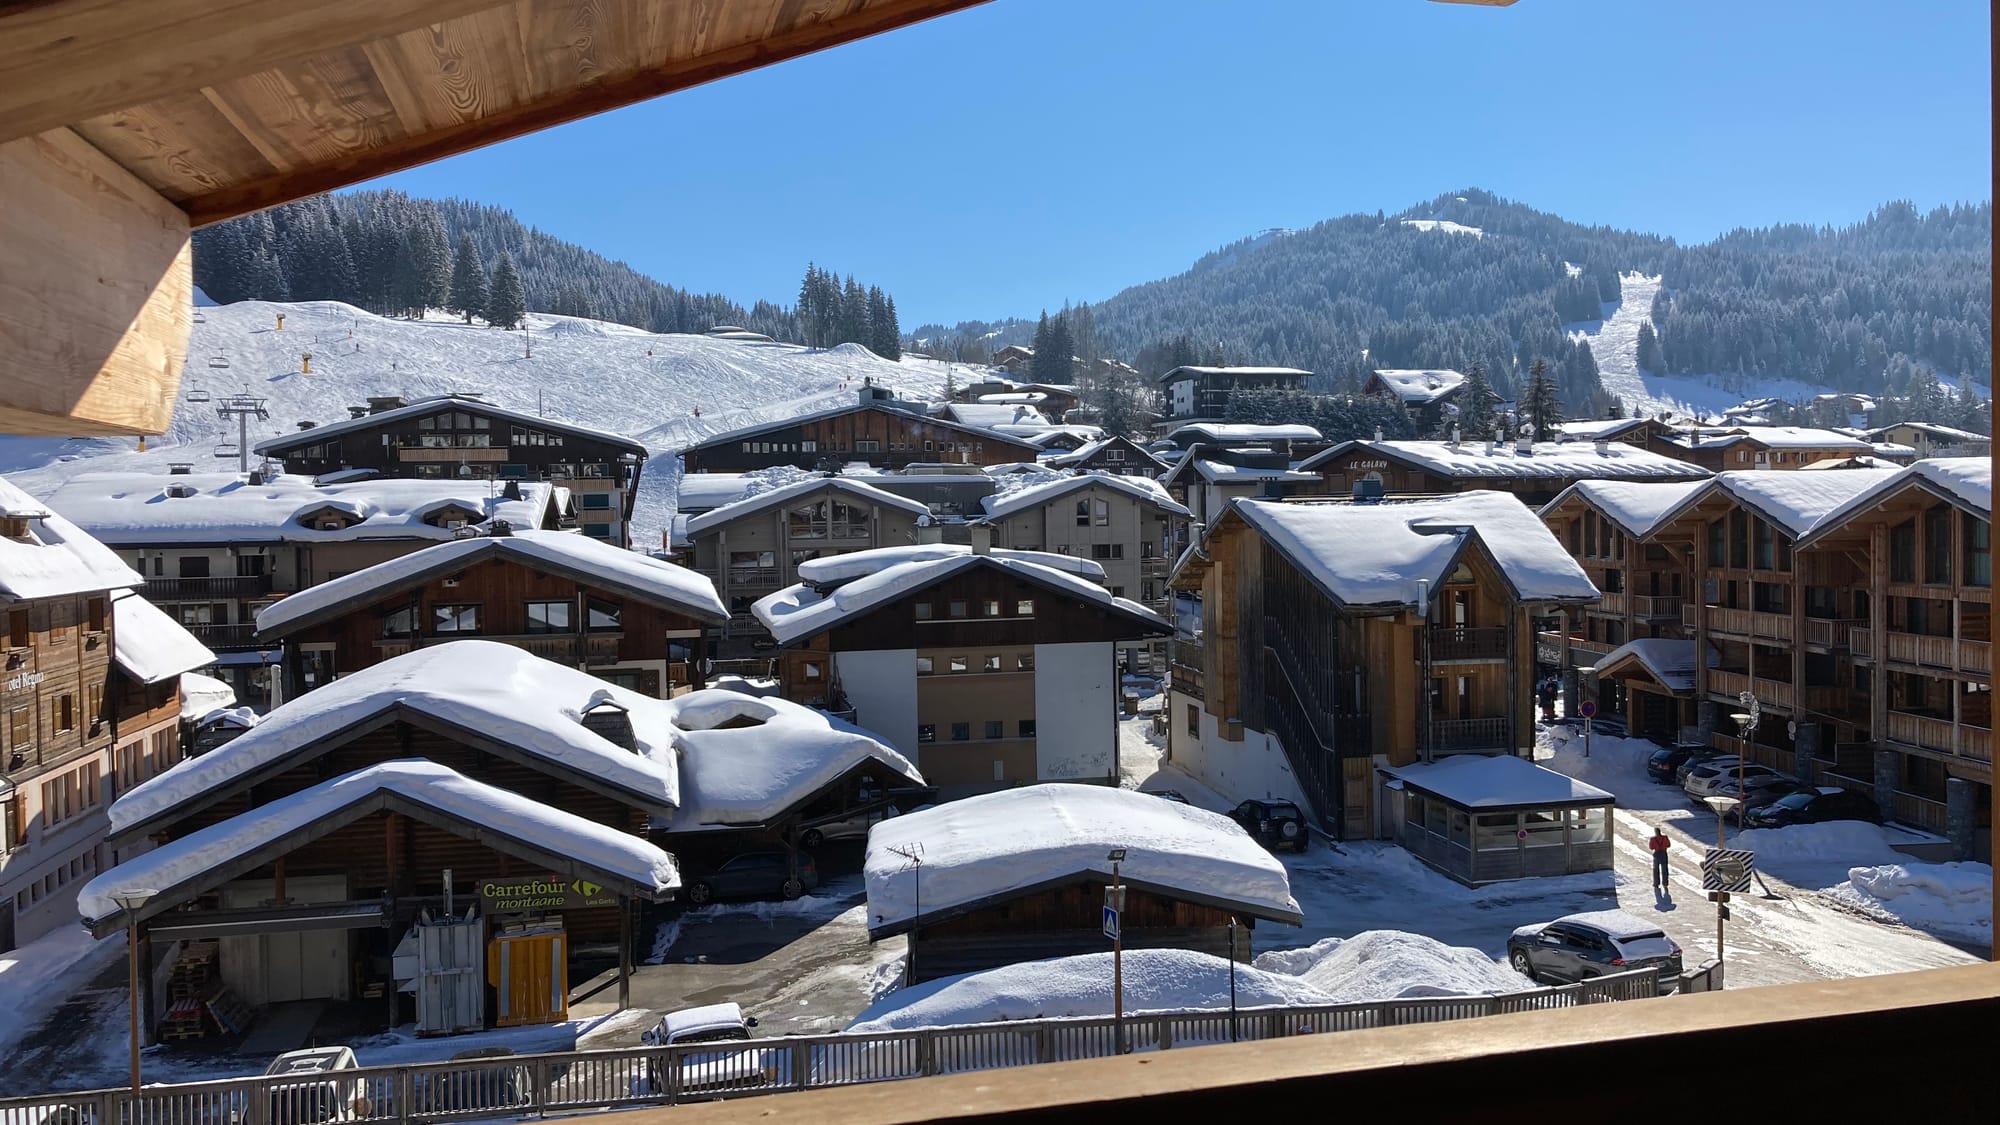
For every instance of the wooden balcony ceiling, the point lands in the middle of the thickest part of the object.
(227, 106)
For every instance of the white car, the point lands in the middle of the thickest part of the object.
(1709, 780)
(711, 1072)
(318, 1096)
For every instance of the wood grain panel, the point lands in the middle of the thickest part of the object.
(182, 145)
(96, 293)
(312, 111)
(450, 73)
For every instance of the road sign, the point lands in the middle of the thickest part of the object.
(1588, 709)
(1727, 869)
(520, 896)
(1111, 923)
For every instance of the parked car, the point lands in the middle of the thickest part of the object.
(754, 875)
(1273, 823)
(847, 828)
(710, 1071)
(1664, 764)
(1755, 781)
(1580, 946)
(481, 1081)
(1173, 795)
(1704, 782)
(1814, 806)
(1700, 761)
(317, 1096)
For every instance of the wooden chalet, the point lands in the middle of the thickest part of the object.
(1119, 455)
(1339, 634)
(623, 617)
(1758, 447)
(1533, 471)
(877, 430)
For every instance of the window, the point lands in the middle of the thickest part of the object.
(1978, 551)
(1937, 546)
(1739, 539)
(65, 712)
(604, 616)
(1024, 662)
(458, 618)
(958, 664)
(597, 530)
(18, 635)
(20, 728)
(1193, 720)
(596, 501)
(990, 664)
(1083, 513)
(1117, 591)
(812, 669)
(1114, 455)
(1903, 552)
(867, 445)
(922, 610)
(1024, 607)
(1766, 546)
(549, 617)
(1026, 727)
(1718, 551)
(996, 728)
(94, 615)
(955, 609)
(194, 566)
(923, 665)
(990, 607)
(93, 705)
(926, 732)
(961, 732)
(1102, 551)
(62, 615)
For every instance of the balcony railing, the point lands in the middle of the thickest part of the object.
(1748, 623)
(598, 648)
(1456, 642)
(1931, 733)
(1187, 671)
(224, 636)
(1919, 812)
(1548, 648)
(1455, 736)
(745, 576)
(1613, 602)
(190, 589)
(1776, 693)
(1832, 633)
(1662, 605)
(1940, 652)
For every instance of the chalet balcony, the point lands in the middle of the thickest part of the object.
(1649, 605)
(1613, 602)
(1455, 643)
(1155, 566)
(1467, 736)
(598, 648)
(1186, 667)
(1747, 623)
(1780, 694)
(1931, 733)
(224, 636)
(1946, 654)
(207, 589)
(746, 577)
(1832, 633)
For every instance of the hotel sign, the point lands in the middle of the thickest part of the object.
(552, 893)
(21, 681)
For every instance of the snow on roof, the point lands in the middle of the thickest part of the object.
(1191, 372)
(1006, 843)
(1546, 459)
(866, 493)
(434, 404)
(891, 572)
(506, 694)
(1587, 429)
(1969, 480)
(1503, 781)
(55, 558)
(988, 415)
(1637, 507)
(1670, 662)
(1935, 430)
(702, 492)
(1224, 472)
(149, 645)
(1372, 555)
(1616, 923)
(130, 507)
(1014, 398)
(1793, 501)
(1230, 433)
(588, 560)
(747, 759)
(1156, 980)
(201, 694)
(552, 830)
(1417, 386)
(1144, 489)
(1777, 437)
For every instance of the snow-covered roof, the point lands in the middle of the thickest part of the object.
(504, 815)
(1793, 501)
(1546, 460)
(1417, 386)
(1231, 433)
(733, 436)
(1637, 507)
(999, 845)
(1476, 781)
(1192, 372)
(1143, 489)
(702, 492)
(149, 645)
(424, 406)
(202, 694)
(988, 415)
(1224, 472)
(862, 492)
(1083, 453)
(133, 508)
(1600, 428)
(580, 557)
(1671, 663)
(1014, 398)
(56, 558)
(1774, 437)
(1966, 480)
(748, 759)
(505, 695)
(1936, 431)
(870, 579)
(1373, 555)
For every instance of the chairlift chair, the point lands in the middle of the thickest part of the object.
(197, 395)
(218, 361)
(228, 449)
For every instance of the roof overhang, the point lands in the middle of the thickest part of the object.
(1085, 877)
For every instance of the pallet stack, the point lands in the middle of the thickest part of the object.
(191, 986)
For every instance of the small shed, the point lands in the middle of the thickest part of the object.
(1485, 819)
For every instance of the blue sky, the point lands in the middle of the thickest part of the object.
(1025, 152)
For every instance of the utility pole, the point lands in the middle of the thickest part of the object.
(1114, 913)
(1232, 978)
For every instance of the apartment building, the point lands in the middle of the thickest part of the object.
(1203, 393)
(878, 429)
(1208, 477)
(988, 668)
(1759, 447)
(1119, 455)
(1339, 637)
(1533, 471)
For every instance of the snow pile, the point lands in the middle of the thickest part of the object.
(1838, 843)
(746, 760)
(1156, 980)
(1616, 764)
(1393, 965)
(201, 695)
(988, 847)
(1954, 899)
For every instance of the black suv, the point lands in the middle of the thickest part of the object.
(1813, 806)
(1274, 823)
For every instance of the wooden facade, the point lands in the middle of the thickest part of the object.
(1751, 452)
(1064, 921)
(1377, 470)
(882, 435)
(1119, 455)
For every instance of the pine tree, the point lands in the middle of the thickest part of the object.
(468, 281)
(878, 323)
(1649, 349)
(1052, 362)
(1475, 404)
(1542, 403)
(808, 308)
(892, 331)
(433, 249)
(506, 304)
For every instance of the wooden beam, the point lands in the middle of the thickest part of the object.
(96, 292)
(67, 60)
(567, 105)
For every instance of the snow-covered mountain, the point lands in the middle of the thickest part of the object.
(667, 391)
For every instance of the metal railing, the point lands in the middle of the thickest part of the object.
(225, 635)
(1461, 642)
(519, 1085)
(229, 586)
(1454, 735)
(1657, 605)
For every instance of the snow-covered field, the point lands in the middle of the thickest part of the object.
(589, 372)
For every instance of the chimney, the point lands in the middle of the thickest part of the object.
(512, 491)
(1454, 437)
(982, 538)
(1603, 448)
(1378, 433)
(930, 531)
(1524, 444)
(307, 425)
(605, 718)
(1489, 447)
(499, 527)
(180, 469)
(379, 403)
(357, 412)
(256, 477)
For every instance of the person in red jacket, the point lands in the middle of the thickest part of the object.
(1659, 844)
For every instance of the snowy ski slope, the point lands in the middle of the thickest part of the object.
(588, 372)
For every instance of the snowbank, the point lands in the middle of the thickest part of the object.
(1156, 980)
(1393, 965)
(1841, 843)
(1616, 764)
(1952, 899)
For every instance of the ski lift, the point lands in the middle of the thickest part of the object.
(199, 318)
(196, 394)
(218, 360)
(228, 449)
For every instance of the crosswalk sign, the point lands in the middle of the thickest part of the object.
(1111, 923)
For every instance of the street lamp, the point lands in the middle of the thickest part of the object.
(1117, 904)
(130, 900)
(1232, 978)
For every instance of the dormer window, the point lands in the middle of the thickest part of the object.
(14, 527)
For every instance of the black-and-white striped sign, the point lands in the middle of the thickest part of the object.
(1727, 869)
